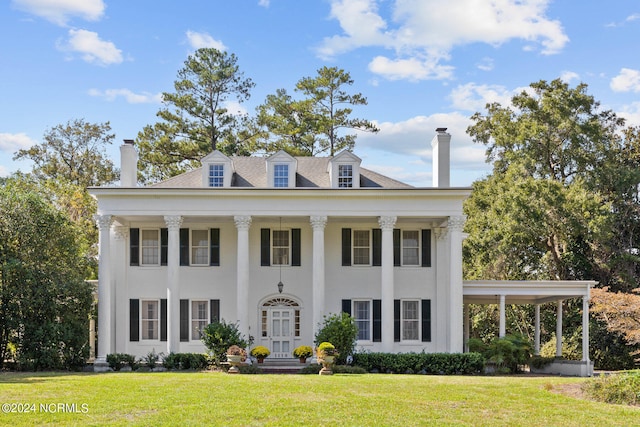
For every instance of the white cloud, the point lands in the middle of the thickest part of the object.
(202, 40)
(12, 142)
(92, 48)
(4, 172)
(631, 113)
(130, 96)
(627, 81)
(410, 69)
(425, 32)
(486, 64)
(264, 3)
(569, 76)
(474, 97)
(61, 11)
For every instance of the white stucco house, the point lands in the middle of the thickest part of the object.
(277, 243)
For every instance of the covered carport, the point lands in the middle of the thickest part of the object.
(503, 292)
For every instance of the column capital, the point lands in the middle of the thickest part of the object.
(318, 222)
(243, 222)
(387, 222)
(173, 221)
(121, 232)
(456, 222)
(103, 221)
(440, 233)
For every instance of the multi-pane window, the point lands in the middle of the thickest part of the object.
(361, 247)
(150, 247)
(199, 247)
(216, 175)
(281, 175)
(362, 316)
(281, 247)
(150, 320)
(410, 247)
(410, 320)
(345, 176)
(199, 318)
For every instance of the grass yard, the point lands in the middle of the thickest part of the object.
(199, 399)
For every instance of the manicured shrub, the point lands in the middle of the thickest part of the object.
(420, 363)
(219, 336)
(185, 361)
(622, 388)
(117, 361)
(341, 331)
(151, 359)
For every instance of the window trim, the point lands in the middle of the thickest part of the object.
(353, 247)
(288, 247)
(143, 319)
(206, 248)
(417, 320)
(345, 178)
(193, 319)
(158, 247)
(281, 172)
(213, 177)
(419, 247)
(369, 320)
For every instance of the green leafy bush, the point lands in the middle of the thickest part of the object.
(420, 363)
(342, 332)
(219, 336)
(185, 361)
(151, 359)
(507, 354)
(117, 361)
(621, 388)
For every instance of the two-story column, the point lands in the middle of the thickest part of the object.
(120, 313)
(456, 224)
(442, 327)
(105, 290)
(318, 224)
(173, 282)
(243, 222)
(386, 274)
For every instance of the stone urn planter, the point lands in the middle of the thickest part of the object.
(234, 361)
(326, 356)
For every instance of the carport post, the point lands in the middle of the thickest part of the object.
(536, 344)
(559, 330)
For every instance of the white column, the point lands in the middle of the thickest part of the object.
(243, 222)
(536, 340)
(120, 312)
(386, 274)
(318, 224)
(173, 282)
(441, 329)
(559, 330)
(585, 329)
(503, 317)
(456, 224)
(104, 288)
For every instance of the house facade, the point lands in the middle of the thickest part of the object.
(275, 244)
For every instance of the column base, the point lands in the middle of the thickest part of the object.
(101, 365)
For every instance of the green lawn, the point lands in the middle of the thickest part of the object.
(199, 399)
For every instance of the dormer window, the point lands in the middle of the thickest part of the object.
(216, 175)
(281, 176)
(345, 176)
(217, 170)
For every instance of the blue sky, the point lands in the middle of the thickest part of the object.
(421, 64)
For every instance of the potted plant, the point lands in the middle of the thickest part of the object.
(235, 356)
(326, 354)
(260, 352)
(303, 352)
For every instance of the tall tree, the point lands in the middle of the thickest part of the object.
(44, 299)
(197, 117)
(74, 152)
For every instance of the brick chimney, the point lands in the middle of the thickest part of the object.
(441, 148)
(128, 164)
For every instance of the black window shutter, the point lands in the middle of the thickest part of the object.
(397, 248)
(377, 320)
(426, 320)
(396, 320)
(426, 248)
(184, 320)
(184, 246)
(134, 320)
(265, 246)
(214, 312)
(376, 237)
(214, 249)
(134, 246)
(163, 319)
(295, 247)
(346, 246)
(164, 246)
(346, 306)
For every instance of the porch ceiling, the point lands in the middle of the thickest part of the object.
(525, 291)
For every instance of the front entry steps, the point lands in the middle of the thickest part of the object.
(281, 366)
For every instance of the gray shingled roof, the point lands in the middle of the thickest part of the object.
(252, 172)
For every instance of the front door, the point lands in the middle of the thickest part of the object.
(281, 320)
